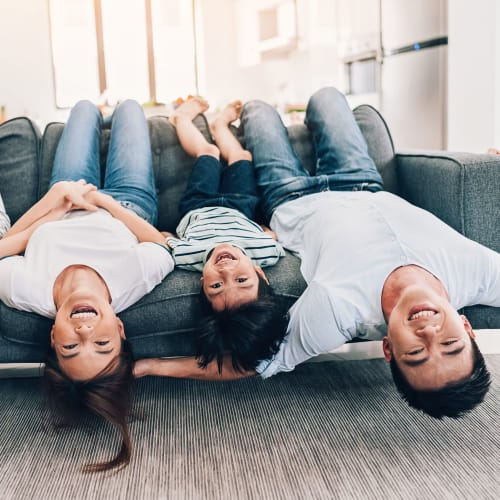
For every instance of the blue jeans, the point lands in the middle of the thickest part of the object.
(212, 185)
(129, 177)
(343, 162)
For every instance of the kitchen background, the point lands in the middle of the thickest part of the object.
(431, 66)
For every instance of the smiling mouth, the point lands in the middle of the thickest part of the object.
(421, 313)
(83, 312)
(223, 257)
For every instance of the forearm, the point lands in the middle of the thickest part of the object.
(61, 197)
(188, 368)
(142, 229)
(15, 243)
(36, 212)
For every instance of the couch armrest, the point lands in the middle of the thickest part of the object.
(462, 189)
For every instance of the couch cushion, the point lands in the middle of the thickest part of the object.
(160, 324)
(380, 145)
(19, 148)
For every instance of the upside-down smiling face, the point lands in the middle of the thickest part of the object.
(86, 336)
(229, 278)
(429, 340)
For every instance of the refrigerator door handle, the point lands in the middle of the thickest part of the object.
(425, 44)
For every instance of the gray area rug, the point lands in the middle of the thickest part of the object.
(328, 430)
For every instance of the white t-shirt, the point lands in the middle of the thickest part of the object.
(94, 239)
(349, 243)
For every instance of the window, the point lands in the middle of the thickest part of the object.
(118, 49)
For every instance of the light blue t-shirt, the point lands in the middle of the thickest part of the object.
(363, 238)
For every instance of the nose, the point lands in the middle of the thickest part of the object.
(84, 329)
(428, 330)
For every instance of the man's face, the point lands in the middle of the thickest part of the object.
(429, 340)
(229, 278)
(86, 336)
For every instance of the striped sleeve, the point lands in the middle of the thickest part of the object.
(186, 254)
(264, 250)
(4, 219)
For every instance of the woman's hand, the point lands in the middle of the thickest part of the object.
(74, 192)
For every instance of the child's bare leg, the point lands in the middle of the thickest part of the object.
(230, 149)
(190, 137)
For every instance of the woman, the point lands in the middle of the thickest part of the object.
(77, 241)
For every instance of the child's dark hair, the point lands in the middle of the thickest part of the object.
(249, 334)
(107, 395)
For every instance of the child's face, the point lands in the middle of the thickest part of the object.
(229, 278)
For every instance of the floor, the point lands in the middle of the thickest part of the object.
(488, 341)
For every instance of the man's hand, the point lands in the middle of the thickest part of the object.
(142, 368)
(269, 231)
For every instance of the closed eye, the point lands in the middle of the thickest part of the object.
(449, 342)
(102, 342)
(415, 352)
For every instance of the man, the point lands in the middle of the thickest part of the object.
(379, 268)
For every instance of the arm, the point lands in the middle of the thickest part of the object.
(66, 194)
(188, 368)
(142, 229)
(269, 231)
(15, 243)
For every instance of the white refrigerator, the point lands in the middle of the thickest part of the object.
(412, 86)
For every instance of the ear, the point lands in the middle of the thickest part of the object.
(261, 273)
(52, 336)
(386, 347)
(121, 328)
(468, 327)
(201, 280)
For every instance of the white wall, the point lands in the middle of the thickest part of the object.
(26, 82)
(473, 75)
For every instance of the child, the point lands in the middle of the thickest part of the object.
(216, 234)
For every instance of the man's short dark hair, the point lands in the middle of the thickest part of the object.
(250, 333)
(453, 400)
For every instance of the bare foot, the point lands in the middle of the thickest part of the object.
(228, 115)
(189, 109)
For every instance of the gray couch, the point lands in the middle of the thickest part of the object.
(462, 189)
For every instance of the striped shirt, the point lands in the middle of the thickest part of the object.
(202, 229)
(4, 219)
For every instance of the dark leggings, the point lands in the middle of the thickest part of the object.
(212, 185)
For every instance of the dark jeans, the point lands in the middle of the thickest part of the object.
(212, 185)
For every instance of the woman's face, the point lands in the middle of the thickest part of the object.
(86, 336)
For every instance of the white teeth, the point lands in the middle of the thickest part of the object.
(422, 314)
(84, 315)
(224, 256)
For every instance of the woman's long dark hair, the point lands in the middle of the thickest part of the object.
(107, 395)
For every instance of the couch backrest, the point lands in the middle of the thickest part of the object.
(172, 165)
(19, 165)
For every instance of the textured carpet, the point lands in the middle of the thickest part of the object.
(327, 430)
